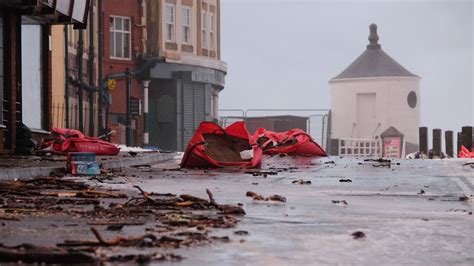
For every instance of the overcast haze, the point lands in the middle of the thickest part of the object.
(281, 54)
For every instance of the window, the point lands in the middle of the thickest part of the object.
(411, 99)
(170, 19)
(186, 16)
(203, 29)
(120, 31)
(211, 32)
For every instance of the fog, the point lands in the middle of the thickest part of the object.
(281, 54)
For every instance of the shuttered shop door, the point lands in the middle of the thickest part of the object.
(194, 109)
(188, 112)
(199, 104)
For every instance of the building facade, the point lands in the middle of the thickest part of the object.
(184, 36)
(373, 94)
(73, 107)
(25, 64)
(124, 43)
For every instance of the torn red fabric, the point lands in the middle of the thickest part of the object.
(293, 142)
(69, 140)
(465, 153)
(213, 146)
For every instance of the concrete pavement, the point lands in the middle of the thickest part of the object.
(402, 223)
(410, 212)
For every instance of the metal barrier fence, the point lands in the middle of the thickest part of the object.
(317, 124)
(58, 111)
(360, 147)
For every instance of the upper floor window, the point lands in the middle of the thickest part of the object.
(120, 42)
(186, 17)
(211, 32)
(203, 29)
(170, 20)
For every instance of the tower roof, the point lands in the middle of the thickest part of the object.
(374, 62)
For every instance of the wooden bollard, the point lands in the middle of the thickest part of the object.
(459, 143)
(448, 140)
(423, 131)
(437, 143)
(467, 137)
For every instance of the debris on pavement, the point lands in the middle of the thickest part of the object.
(301, 182)
(464, 198)
(261, 173)
(345, 180)
(183, 220)
(358, 235)
(241, 233)
(380, 160)
(51, 255)
(259, 197)
(340, 202)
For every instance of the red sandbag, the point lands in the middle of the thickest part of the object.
(70, 140)
(465, 153)
(293, 142)
(213, 146)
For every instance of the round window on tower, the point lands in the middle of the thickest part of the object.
(411, 99)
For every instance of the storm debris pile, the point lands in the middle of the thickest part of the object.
(172, 221)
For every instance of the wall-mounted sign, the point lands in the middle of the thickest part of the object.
(392, 147)
(111, 85)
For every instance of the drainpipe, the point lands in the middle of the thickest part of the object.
(66, 74)
(100, 55)
(146, 139)
(144, 27)
(129, 104)
(91, 70)
(80, 51)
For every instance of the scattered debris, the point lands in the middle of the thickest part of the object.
(340, 202)
(27, 253)
(358, 235)
(261, 173)
(241, 233)
(115, 227)
(330, 162)
(463, 198)
(259, 197)
(460, 210)
(345, 180)
(144, 258)
(301, 182)
(380, 160)
(184, 220)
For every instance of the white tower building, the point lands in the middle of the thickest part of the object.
(375, 93)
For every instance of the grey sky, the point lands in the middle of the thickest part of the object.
(282, 53)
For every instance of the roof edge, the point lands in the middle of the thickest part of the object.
(334, 80)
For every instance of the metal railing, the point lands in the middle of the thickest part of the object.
(59, 119)
(317, 124)
(349, 147)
